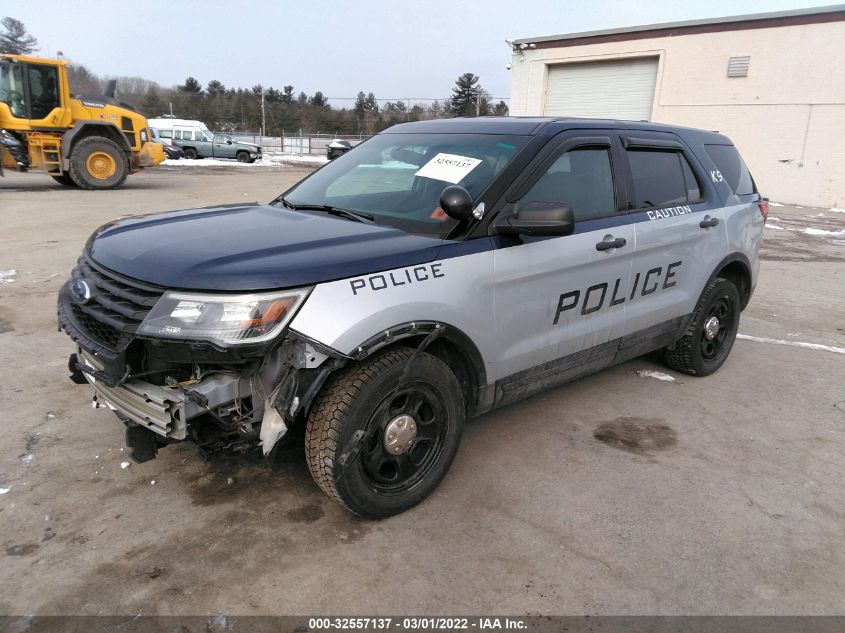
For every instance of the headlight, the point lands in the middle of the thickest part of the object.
(225, 319)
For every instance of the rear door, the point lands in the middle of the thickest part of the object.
(554, 297)
(680, 231)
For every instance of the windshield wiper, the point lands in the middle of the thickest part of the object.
(357, 216)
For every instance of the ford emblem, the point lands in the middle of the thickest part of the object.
(81, 292)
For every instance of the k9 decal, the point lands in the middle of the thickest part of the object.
(595, 297)
(716, 176)
(396, 278)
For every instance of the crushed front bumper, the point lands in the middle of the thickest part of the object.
(163, 409)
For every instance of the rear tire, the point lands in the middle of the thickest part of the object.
(191, 153)
(243, 157)
(710, 335)
(98, 163)
(411, 418)
(65, 180)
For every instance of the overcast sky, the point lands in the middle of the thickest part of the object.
(396, 49)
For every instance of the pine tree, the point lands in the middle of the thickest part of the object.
(360, 104)
(287, 95)
(191, 86)
(465, 95)
(153, 105)
(15, 40)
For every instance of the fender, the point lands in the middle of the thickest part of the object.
(69, 136)
(740, 260)
(452, 346)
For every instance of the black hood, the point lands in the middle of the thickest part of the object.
(252, 247)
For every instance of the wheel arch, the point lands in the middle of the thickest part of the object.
(737, 269)
(450, 344)
(93, 128)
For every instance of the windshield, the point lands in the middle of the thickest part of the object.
(398, 178)
(11, 88)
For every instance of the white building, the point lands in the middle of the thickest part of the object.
(773, 82)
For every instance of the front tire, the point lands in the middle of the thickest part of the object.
(191, 153)
(98, 163)
(710, 335)
(243, 157)
(403, 413)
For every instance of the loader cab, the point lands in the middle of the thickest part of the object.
(33, 94)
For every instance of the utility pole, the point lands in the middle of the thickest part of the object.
(262, 112)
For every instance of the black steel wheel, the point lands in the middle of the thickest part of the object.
(382, 433)
(406, 435)
(710, 335)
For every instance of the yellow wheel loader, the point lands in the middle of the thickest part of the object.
(90, 142)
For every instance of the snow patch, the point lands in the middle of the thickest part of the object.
(124, 465)
(8, 276)
(26, 459)
(775, 341)
(775, 227)
(836, 210)
(812, 231)
(4, 490)
(775, 204)
(267, 161)
(648, 373)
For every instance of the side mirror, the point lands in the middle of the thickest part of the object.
(542, 218)
(456, 202)
(228, 141)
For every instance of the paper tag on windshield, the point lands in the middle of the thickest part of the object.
(448, 168)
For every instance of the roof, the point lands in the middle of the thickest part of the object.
(35, 60)
(515, 125)
(830, 13)
(526, 126)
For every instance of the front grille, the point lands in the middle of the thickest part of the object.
(116, 308)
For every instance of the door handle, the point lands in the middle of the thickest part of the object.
(707, 222)
(605, 245)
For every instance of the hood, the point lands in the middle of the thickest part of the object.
(252, 247)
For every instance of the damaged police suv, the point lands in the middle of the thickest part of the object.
(435, 272)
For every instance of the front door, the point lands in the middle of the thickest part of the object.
(558, 300)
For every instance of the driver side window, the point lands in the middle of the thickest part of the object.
(581, 178)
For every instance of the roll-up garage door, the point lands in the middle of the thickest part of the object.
(619, 89)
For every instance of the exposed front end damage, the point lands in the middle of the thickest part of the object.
(166, 391)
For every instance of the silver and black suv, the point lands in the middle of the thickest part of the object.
(435, 272)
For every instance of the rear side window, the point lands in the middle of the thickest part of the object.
(732, 168)
(165, 133)
(662, 179)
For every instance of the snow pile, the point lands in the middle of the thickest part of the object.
(649, 373)
(8, 276)
(775, 341)
(812, 231)
(268, 160)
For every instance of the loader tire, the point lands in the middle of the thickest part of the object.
(98, 163)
